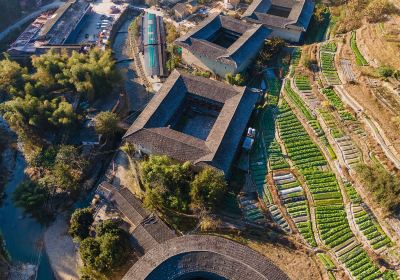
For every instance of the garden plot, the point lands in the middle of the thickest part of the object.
(360, 60)
(348, 118)
(303, 85)
(331, 218)
(251, 209)
(327, 63)
(304, 109)
(351, 154)
(273, 86)
(329, 47)
(370, 229)
(328, 264)
(293, 198)
(278, 218)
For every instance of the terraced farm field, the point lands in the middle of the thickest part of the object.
(293, 198)
(329, 47)
(370, 228)
(327, 57)
(331, 218)
(360, 60)
(302, 82)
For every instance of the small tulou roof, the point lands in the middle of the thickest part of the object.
(299, 17)
(251, 34)
(151, 132)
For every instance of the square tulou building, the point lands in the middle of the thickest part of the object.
(222, 45)
(194, 119)
(288, 19)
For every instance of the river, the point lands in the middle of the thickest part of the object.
(23, 235)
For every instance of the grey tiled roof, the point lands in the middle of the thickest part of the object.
(151, 132)
(299, 17)
(250, 36)
(181, 256)
(58, 28)
(146, 235)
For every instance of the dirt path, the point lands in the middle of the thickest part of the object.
(61, 251)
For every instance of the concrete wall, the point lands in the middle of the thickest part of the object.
(207, 64)
(286, 34)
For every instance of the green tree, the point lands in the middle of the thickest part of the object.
(207, 189)
(49, 69)
(167, 183)
(106, 123)
(89, 249)
(12, 78)
(109, 226)
(93, 74)
(114, 250)
(80, 223)
(68, 168)
(108, 250)
(385, 71)
(31, 197)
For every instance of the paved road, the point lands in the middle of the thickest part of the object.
(29, 17)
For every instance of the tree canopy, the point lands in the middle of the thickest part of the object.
(31, 197)
(80, 223)
(167, 183)
(172, 185)
(108, 250)
(207, 189)
(106, 123)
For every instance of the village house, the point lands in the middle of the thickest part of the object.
(222, 44)
(288, 19)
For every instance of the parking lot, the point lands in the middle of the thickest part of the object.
(98, 23)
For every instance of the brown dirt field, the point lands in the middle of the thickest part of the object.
(374, 109)
(381, 45)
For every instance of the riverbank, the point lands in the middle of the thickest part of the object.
(62, 252)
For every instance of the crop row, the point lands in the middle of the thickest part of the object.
(302, 82)
(275, 157)
(333, 98)
(295, 98)
(352, 193)
(331, 123)
(330, 47)
(296, 206)
(328, 68)
(360, 60)
(371, 230)
(360, 265)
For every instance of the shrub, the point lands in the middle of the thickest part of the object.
(385, 71)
